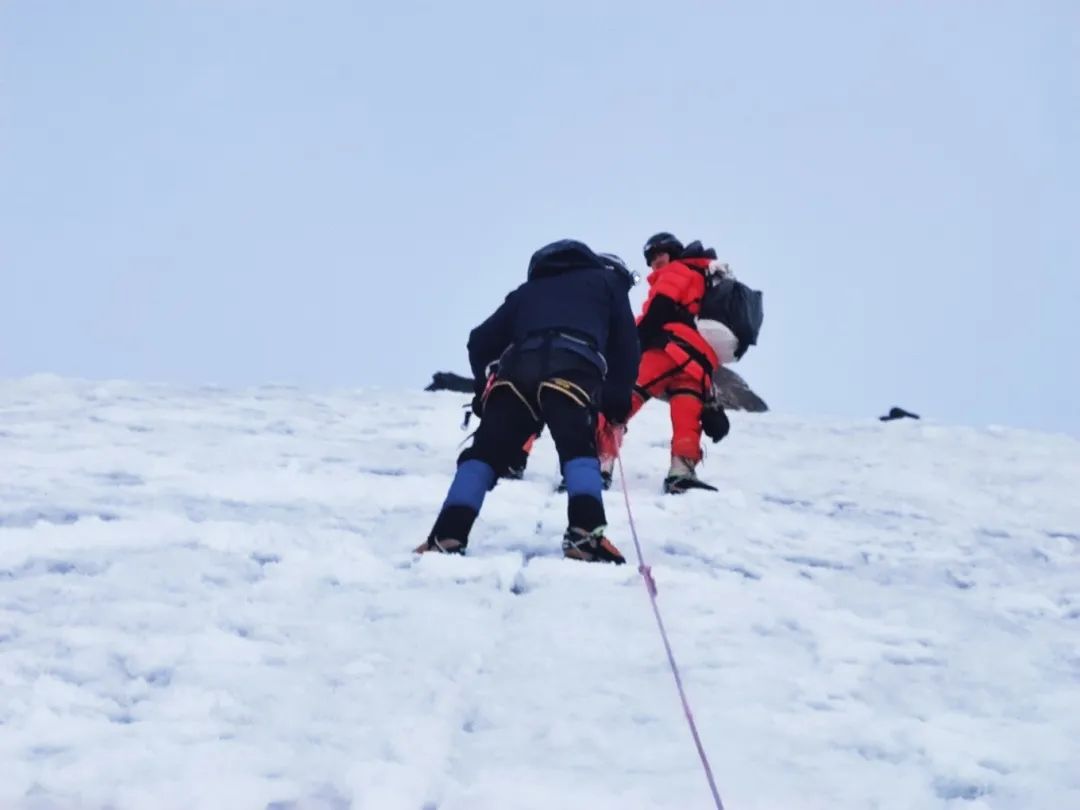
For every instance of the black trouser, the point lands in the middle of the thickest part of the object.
(557, 389)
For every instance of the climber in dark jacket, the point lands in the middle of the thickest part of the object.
(566, 349)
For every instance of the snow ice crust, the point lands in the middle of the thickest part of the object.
(207, 600)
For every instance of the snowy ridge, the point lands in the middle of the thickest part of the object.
(207, 600)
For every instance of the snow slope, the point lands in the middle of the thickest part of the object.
(207, 600)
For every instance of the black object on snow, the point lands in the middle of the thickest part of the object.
(448, 381)
(898, 413)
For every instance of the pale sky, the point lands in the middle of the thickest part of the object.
(333, 193)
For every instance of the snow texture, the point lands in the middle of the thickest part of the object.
(208, 600)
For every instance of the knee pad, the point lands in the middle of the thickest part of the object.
(473, 479)
(582, 476)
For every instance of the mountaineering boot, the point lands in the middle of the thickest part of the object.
(682, 477)
(450, 534)
(579, 544)
(446, 546)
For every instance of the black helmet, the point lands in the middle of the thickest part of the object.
(662, 242)
(618, 266)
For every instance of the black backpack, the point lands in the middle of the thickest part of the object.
(736, 306)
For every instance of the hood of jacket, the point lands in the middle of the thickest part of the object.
(563, 256)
